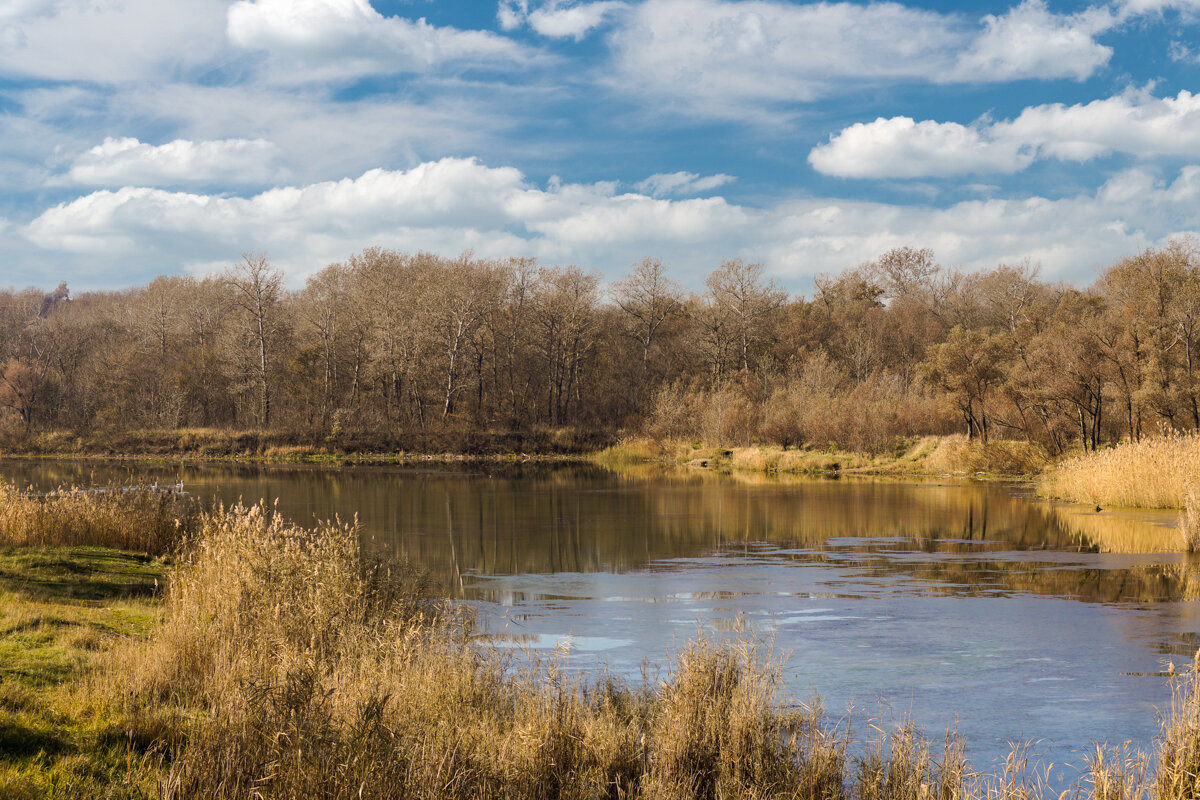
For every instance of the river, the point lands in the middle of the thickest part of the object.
(942, 601)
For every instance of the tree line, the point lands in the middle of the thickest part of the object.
(398, 348)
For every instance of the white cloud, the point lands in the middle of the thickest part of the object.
(1071, 237)
(1031, 42)
(447, 205)
(901, 148)
(109, 42)
(681, 183)
(558, 18)
(738, 58)
(316, 139)
(455, 204)
(1134, 123)
(332, 39)
(127, 161)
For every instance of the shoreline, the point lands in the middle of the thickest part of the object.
(918, 457)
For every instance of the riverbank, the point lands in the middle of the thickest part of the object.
(1155, 473)
(63, 611)
(269, 659)
(213, 444)
(928, 455)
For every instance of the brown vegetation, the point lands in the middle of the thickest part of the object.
(123, 518)
(290, 667)
(1157, 472)
(390, 351)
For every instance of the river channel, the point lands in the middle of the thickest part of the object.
(947, 602)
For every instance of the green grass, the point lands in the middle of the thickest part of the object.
(78, 574)
(61, 609)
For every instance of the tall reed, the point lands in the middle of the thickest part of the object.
(1153, 473)
(306, 670)
(1189, 521)
(139, 519)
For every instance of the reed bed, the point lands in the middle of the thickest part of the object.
(956, 454)
(1153, 473)
(292, 666)
(140, 519)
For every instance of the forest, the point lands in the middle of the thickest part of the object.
(425, 352)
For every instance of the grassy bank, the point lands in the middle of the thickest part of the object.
(63, 610)
(215, 444)
(928, 455)
(80, 574)
(281, 662)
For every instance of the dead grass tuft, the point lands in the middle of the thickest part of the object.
(957, 455)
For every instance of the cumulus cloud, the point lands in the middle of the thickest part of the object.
(900, 147)
(1071, 237)
(117, 162)
(316, 139)
(681, 183)
(731, 58)
(557, 19)
(447, 205)
(1030, 42)
(330, 39)
(454, 204)
(1135, 123)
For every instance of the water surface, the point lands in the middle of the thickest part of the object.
(935, 599)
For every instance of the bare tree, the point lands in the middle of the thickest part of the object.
(322, 305)
(459, 313)
(747, 306)
(257, 289)
(564, 307)
(650, 301)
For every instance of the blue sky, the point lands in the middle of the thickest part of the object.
(139, 137)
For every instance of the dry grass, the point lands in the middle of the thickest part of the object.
(801, 462)
(949, 454)
(144, 520)
(1177, 772)
(958, 456)
(308, 671)
(1189, 521)
(1153, 473)
(902, 767)
(290, 666)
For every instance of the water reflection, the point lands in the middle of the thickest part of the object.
(1020, 618)
(941, 538)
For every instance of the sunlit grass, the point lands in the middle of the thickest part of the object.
(140, 519)
(939, 455)
(1154, 473)
(61, 611)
